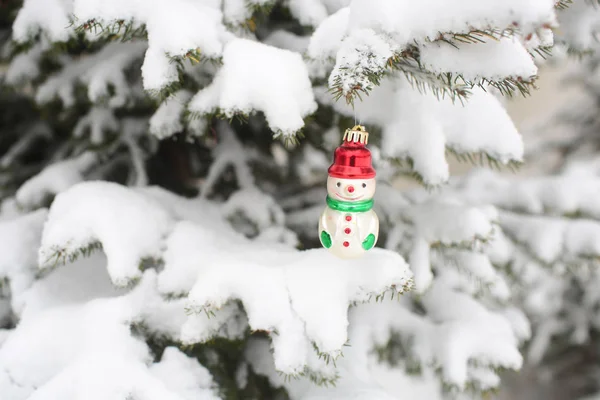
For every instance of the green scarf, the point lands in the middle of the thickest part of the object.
(349, 206)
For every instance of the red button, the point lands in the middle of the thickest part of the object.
(347, 230)
(346, 244)
(348, 218)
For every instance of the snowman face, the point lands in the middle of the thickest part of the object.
(350, 189)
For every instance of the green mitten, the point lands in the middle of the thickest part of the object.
(368, 242)
(325, 239)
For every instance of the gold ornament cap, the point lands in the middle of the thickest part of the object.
(358, 134)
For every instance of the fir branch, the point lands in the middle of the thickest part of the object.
(483, 287)
(577, 53)
(397, 353)
(261, 8)
(61, 255)
(471, 245)
(475, 36)
(407, 63)
(563, 4)
(510, 85)
(454, 86)
(289, 140)
(162, 94)
(113, 30)
(218, 113)
(193, 55)
(472, 388)
(548, 211)
(482, 158)
(393, 290)
(314, 377)
(573, 262)
(543, 51)
(406, 164)
(256, 12)
(327, 357)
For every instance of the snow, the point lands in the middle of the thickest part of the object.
(399, 383)
(109, 214)
(454, 341)
(198, 262)
(519, 322)
(553, 239)
(54, 179)
(21, 237)
(236, 12)
(308, 12)
(133, 131)
(505, 57)
(89, 350)
(449, 222)
(440, 221)
(420, 264)
(99, 122)
(280, 88)
(179, 274)
(307, 290)
(419, 126)
(84, 280)
(325, 41)
(349, 385)
(49, 16)
(465, 131)
(405, 21)
(366, 34)
(190, 209)
(362, 52)
(312, 168)
(579, 24)
(479, 267)
(31, 134)
(184, 375)
(206, 278)
(168, 118)
(552, 195)
(260, 209)
(158, 71)
(173, 27)
(97, 328)
(286, 40)
(229, 323)
(457, 331)
(24, 67)
(98, 72)
(229, 152)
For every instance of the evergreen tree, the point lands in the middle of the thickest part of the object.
(163, 173)
(554, 211)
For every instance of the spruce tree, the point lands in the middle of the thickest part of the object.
(163, 173)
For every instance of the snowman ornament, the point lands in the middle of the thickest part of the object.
(348, 226)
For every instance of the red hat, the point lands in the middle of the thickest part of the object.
(352, 160)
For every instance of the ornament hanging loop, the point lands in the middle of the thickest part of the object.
(358, 134)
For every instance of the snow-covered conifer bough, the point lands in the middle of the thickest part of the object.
(162, 179)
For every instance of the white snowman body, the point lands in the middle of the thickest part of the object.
(351, 233)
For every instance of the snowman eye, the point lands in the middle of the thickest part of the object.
(364, 185)
(338, 184)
